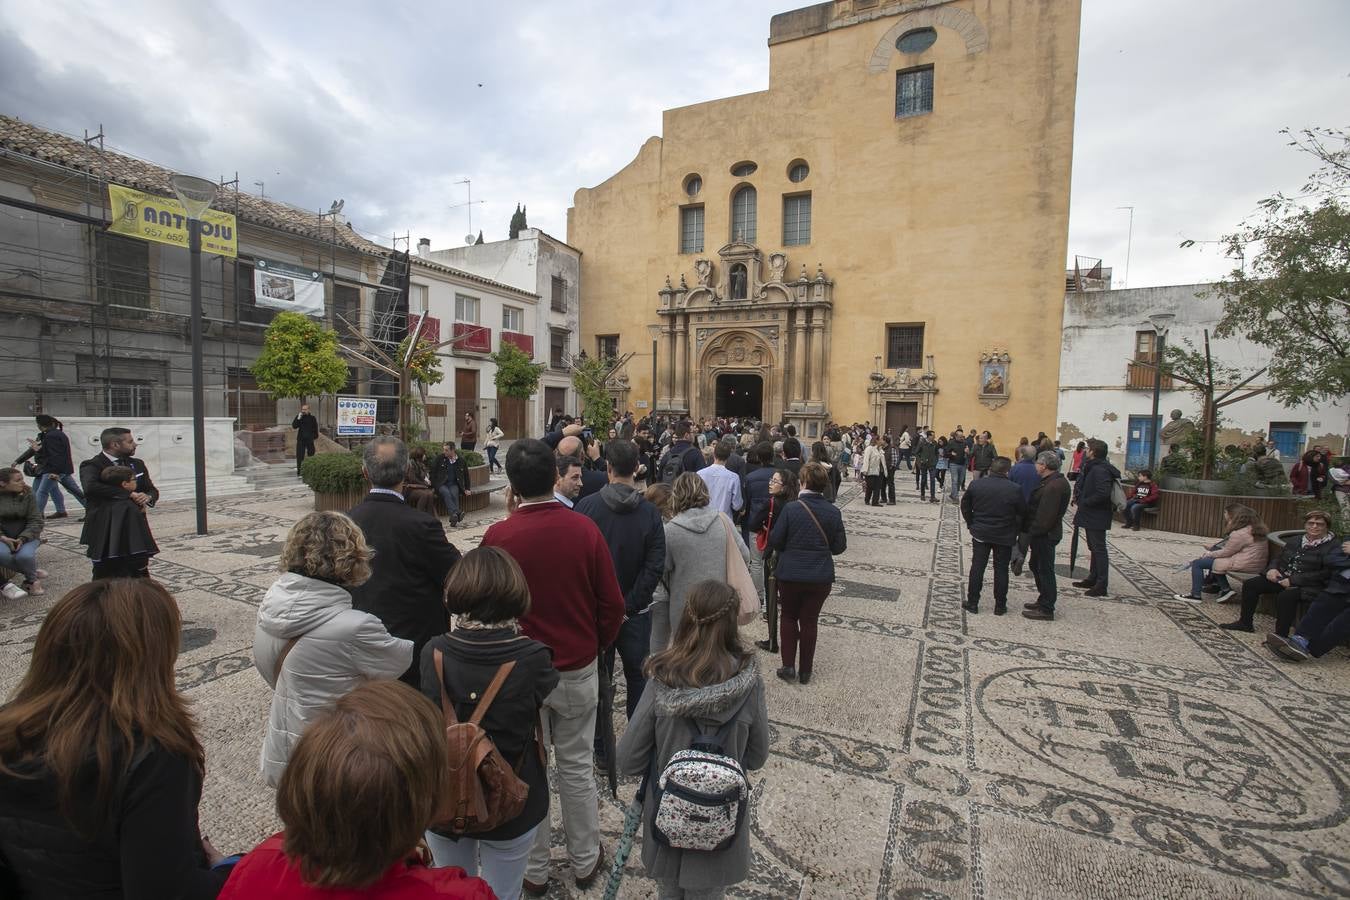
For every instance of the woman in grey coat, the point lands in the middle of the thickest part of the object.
(696, 550)
(706, 679)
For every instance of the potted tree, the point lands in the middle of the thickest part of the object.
(299, 358)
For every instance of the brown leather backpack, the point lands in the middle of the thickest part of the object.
(484, 791)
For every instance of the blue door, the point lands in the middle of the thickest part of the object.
(1288, 440)
(1139, 443)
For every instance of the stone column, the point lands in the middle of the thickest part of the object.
(818, 357)
(678, 393)
(799, 362)
(666, 372)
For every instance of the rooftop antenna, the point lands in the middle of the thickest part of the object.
(262, 188)
(468, 238)
(1129, 243)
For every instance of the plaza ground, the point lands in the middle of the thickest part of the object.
(1130, 748)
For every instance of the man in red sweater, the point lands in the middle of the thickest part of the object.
(576, 608)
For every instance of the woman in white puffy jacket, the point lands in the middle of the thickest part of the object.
(310, 645)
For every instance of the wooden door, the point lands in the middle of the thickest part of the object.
(900, 415)
(466, 400)
(511, 416)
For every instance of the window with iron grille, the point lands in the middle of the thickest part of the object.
(559, 295)
(691, 229)
(904, 346)
(796, 220)
(743, 215)
(513, 319)
(913, 92)
(607, 346)
(557, 348)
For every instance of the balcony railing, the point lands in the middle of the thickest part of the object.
(524, 341)
(1139, 377)
(473, 338)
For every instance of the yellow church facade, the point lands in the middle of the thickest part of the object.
(880, 236)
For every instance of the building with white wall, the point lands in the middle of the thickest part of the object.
(542, 265)
(1105, 393)
(478, 314)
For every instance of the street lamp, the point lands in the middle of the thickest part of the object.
(196, 195)
(1161, 322)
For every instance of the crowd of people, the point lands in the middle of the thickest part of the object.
(429, 688)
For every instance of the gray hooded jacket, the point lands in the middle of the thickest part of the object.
(664, 723)
(339, 647)
(696, 550)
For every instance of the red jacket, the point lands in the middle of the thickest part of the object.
(576, 606)
(1145, 493)
(266, 874)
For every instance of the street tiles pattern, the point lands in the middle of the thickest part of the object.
(1130, 748)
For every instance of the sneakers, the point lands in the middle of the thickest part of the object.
(1292, 648)
(1225, 597)
(1038, 612)
(34, 588)
(1237, 626)
(12, 591)
(1188, 598)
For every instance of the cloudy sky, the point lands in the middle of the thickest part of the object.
(1180, 102)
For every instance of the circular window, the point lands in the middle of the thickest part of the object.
(916, 41)
(692, 185)
(798, 171)
(744, 169)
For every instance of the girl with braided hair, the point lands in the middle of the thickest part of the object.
(706, 680)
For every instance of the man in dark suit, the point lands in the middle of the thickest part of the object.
(412, 556)
(119, 447)
(307, 432)
(592, 479)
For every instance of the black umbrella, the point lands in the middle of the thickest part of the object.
(606, 716)
(1073, 550)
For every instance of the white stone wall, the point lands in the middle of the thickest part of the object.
(164, 444)
(1099, 341)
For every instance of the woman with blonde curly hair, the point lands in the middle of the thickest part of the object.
(310, 646)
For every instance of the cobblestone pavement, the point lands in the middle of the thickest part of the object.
(1130, 748)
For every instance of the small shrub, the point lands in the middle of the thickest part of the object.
(333, 473)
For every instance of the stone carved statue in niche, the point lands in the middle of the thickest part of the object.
(777, 266)
(703, 269)
(739, 282)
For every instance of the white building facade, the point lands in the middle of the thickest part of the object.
(1105, 393)
(550, 269)
(478, 314)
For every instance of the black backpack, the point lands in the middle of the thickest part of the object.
(673, 465)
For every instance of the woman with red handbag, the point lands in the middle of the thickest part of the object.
(782, 491)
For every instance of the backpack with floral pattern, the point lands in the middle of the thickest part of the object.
(701, 795)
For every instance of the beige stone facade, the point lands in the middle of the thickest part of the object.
(831, 210)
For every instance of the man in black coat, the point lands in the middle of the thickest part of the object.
(450, 479)
(1045, 528)
(412, 556)
(636, 536)
(995, 512)
(1092, 492)
(593, 478)
(119, 447)
(307, 432)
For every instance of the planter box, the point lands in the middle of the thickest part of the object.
(337, 502)
(1201, 514)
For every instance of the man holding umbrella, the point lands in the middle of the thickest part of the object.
(576, 608)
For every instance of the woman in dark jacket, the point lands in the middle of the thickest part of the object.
(50, 452)
(782, 491)
(487, 593)
(1298, 575)
(100, 767)
(808, 534)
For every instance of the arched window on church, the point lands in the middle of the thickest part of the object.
(743, 215)
(739, 279)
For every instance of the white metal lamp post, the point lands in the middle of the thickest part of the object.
(1161, 323)
(196, 195)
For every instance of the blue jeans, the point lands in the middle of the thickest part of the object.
(492, 459)
(24, 561)
(1134, 511)
(958, 480)
(633, 644)
(500, 863)
(44, 487)
(450, 496)
(1199, 569)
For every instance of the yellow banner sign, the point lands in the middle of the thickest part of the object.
(151, 217)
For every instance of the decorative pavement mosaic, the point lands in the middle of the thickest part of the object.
(1128, 749)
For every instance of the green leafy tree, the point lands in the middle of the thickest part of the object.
(299, 358)
(517, 375)
(1294, 298)
(588, 377)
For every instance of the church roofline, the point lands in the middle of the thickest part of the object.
(822, 17)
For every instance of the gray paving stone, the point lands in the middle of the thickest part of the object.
(1129, 749)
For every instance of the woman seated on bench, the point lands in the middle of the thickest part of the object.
(1144, 495)
(1242, 549)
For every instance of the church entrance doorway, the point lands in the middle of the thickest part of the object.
(740, 396)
